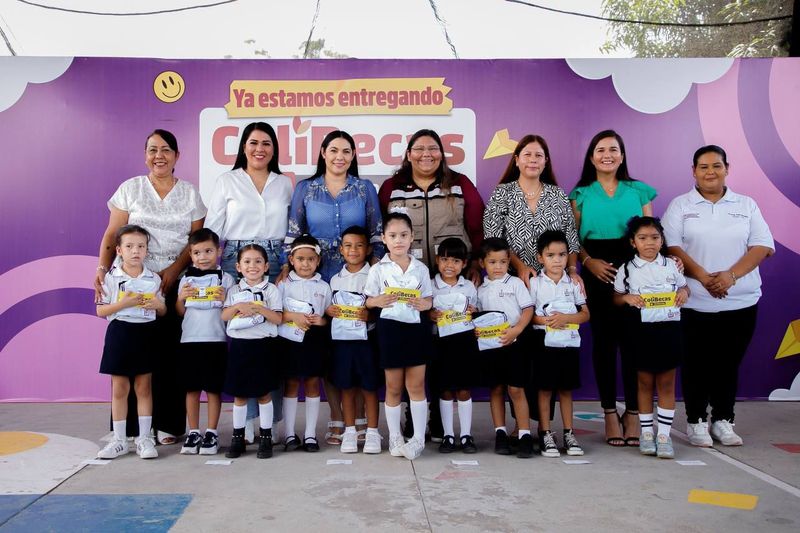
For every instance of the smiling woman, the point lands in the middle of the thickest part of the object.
(169, 209)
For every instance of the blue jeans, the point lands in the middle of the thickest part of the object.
(229, 257)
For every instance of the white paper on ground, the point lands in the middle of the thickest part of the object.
(464, 463)
(340, 461)
(577, 462)
(98, 462)
(691, 463)
(220, 462)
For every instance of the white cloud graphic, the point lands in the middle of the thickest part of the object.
(792, 394)
(18, 72)
(652, 85)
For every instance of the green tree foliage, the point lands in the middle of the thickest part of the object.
(316, 50)
(758, 39)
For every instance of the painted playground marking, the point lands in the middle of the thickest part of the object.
(12, 442)
(733, 500)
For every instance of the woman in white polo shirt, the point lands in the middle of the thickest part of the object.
(721, 237)
(250, 205)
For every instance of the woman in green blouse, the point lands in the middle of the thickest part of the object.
(603, 201)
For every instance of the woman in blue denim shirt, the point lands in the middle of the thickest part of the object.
(325, 205)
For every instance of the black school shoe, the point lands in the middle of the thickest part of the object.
(468, 444)
(237, 446)
(310, 444)
(448, 444)
(501, 446)
(292, 443)
(525, 449)
(265, 444)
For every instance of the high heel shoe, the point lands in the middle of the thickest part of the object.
(629, 441)
(616, 442)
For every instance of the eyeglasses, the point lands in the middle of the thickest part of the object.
(422, 149)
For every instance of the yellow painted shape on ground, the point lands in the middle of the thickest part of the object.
(791, 341)
(733, 500)
(19, 441)
(500, 145)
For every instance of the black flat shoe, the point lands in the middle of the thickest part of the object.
(310, 444)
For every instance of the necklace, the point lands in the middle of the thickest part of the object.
(611, 189)
(531, 195)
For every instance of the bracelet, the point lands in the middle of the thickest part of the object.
(584, 260)
(733, 275)
(101, 267)
(573, 267)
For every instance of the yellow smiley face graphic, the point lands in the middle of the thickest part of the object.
(169, 86)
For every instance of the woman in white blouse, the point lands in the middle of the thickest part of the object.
(722, 238)
(170, 209)
(250, 204)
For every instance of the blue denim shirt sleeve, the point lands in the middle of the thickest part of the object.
(297, 219)
(374, 220)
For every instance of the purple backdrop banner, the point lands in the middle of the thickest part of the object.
(72, 129)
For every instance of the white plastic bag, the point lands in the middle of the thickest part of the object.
(405, 286)
(561, 338)
(455, 316)
(489, 326)
(347, 327)
(244, 322)
(207, 287)
(146, 287)
(290, 330)
(660, 304)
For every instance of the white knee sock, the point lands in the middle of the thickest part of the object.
(419, 414)
(120, 429)
(145, 423)
(239, 416)
(393, 419)
(312, 414)
(465, 416)
(289, 415)
(265, 415)
(446, 409)
(665, 417)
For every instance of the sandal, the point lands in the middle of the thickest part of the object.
(633, 440)
(334, 438)
(166, 438)
(616, 442)
(361, 430)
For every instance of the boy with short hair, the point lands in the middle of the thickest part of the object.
(204, 347)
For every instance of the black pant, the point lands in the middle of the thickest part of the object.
(715, 346)
(607, 327)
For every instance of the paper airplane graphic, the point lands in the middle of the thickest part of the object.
(500, 145)
(791, 341)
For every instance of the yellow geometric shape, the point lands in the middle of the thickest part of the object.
(500, 145)
(733, 500)
(19, 441)
(791, 341)
(169, 86)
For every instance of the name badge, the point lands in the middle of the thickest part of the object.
(448, 318)
(565, 328)
(490, 332)
(658, 300)
(349, 312)
(403, 294)
(206, 294)
(417, 253)
(147, 296)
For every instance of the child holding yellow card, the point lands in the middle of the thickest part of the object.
(560, 307)
(457, 363)
(400, 286)
(204, 346)
(654, 289)
(131, 302)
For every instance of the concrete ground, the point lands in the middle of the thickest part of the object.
(47, 488)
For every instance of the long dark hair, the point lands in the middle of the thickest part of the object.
(337, 134)
(241, 159)
(511, 172)
(447, 177)
(589, 172)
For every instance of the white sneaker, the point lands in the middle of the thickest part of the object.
(722, 430)
(372, 443)
(146, 448)
(114, 449)
(412, 449)
(396, 444)
(349, 442)
(698, 434)
(250, 431)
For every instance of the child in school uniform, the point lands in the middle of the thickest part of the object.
(131, 301)
(204, 346)
(400, 286)
(305, 340)
(560, 307)
(253, 311)
(508, 365)
(653, 289)
(457, 360)
(355, 369)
